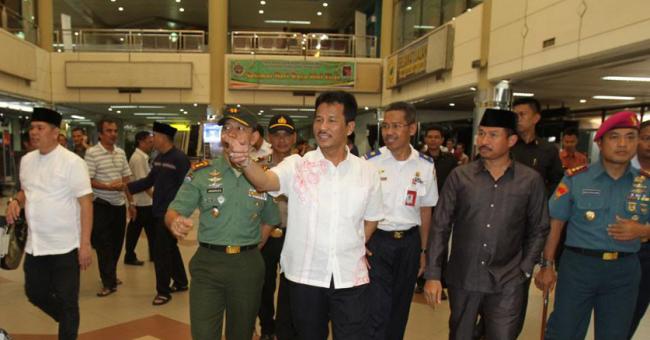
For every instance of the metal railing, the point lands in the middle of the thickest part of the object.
(129, 40)
(14, 23)
(311, 44)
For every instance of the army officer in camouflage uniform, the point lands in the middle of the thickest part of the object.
(227, 270)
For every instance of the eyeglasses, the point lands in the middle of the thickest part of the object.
(234, 128)
(394, 126)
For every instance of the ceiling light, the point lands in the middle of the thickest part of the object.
(523, 94)
(472, 88)
(261, 11)
(182, 110)
(195, 104)
(181, 9)
(613, 97)
(319, 13)
(283, 22)
(185, 112)
(178, 1)
(262, 2)
(408, 8)
(118, 111)
(238, 105)
(324, 4)
(452, 104)
(153, 114)
(365, 108)
(110, 109)
(259, 114)
(582, 101)
(424, 27)
(112, 0)
(120, 9)
(621, 78)
(261, 111)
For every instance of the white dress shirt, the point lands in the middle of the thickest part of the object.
(328, 204)
(139, 164)
(406, 187)
(52, 184)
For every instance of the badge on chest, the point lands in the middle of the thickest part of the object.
(256, 194)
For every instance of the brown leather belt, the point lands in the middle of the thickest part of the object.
(398, 235)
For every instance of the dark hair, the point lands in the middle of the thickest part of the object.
(407, 108)
(570, 132)
(260, 129)
(351, 138)
(531, 102)
(644, 125)
(83, 132)
(140, 136)
(100, 124)
(346, 99)
(435, 127)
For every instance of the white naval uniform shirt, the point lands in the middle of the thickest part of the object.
(139, 164)
(406, 187)
(52, 184)
(325, 238)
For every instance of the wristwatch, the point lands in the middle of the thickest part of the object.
(546, 263)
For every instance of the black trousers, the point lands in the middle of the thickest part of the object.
(143, 219)
(500, 313)
(52, 284)
(272, 321)
(393, 272)
(643, 298)
(109, 222)
(313, 307)
(167, 259)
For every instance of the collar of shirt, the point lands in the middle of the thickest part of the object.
(318, 155)
(137, 150)
(597, 170)
(386, 153)
(480, 167)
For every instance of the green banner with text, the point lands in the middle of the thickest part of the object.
(246, 74)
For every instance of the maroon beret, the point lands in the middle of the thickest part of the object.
(619, 120)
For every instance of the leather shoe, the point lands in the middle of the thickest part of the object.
(135, 262)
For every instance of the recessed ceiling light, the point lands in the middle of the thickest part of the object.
(523, 94)
(408, 8)
(452, 104)
(261, 11)
(365, 108)
(622, 78)
(195, 104)
(261, 111)
(181, 9)
(613, 97)
(110, 109)
(319, 13)
(324, 4)
(182, 110)
(472, 88)
(259, 114)
(112, 0)
(262, 2)
(118, 111)
(178, 1)
(185, 112)
(582, 101)
(238, 105)
(120, 9)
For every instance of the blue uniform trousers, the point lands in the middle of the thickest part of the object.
(587, 283)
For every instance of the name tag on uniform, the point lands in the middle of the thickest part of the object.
(590, 191)
(411, 196)
(257, 195)
(215, 190)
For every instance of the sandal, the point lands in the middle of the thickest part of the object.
(177, 289)
(160, 300)
(106, 292)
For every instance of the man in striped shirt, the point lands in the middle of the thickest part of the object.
(109, 172)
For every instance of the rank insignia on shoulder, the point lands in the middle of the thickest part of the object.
(426, 157)
(200, 165)
(576, 170)
(372, 154)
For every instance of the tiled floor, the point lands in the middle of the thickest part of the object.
(128, 314)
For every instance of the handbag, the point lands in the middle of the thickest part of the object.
(15, 238)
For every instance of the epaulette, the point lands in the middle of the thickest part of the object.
(574, 171)
(426, 157)
(200, 165)
(372, 154)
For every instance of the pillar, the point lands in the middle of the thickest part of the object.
(217, 43)
(45, 24)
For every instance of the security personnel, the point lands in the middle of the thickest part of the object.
(227, 269)
(282, 135)
(599, 269)
(398, 246)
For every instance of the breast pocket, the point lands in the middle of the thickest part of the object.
(591, 208)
